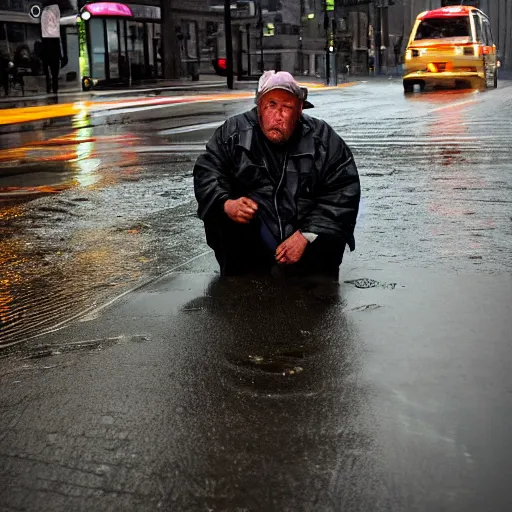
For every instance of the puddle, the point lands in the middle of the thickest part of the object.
(54, 350)
(284, 362)
(366, 307)
(365, 283)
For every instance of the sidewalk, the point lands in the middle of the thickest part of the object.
(70, 93)
(195, 394)
(206, 83)
(31, 113)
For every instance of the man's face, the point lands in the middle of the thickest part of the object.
(279, 112)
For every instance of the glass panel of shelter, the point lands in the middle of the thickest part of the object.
(113, 48)
(97, 45)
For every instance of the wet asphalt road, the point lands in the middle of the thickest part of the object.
(195, 394)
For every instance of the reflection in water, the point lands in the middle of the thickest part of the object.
(10, 262)
(75, 160)
(444, 98)
(272, 393)
(73, 262)
(42, 288)
(456, 172)
(82, 119)
(87, 175)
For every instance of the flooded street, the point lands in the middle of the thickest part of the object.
(133, 378)
(89, 213)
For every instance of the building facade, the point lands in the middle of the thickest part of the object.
(500, 14)
(183, 38)
(182, 48)
(368, 36)
(18, 29)
(186, 47)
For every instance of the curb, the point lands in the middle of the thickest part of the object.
(66, 111)
(95, 309)
(78, 93)
(99, 93)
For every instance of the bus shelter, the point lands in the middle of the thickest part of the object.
(107, 45)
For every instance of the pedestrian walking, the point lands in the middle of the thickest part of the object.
(278, 191)
(51, 47)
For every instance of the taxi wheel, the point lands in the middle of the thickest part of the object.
(408, 86)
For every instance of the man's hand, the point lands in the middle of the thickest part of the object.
(240, 210)
(292, 249)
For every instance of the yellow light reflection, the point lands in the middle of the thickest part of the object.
(87, 172)
(10, 261)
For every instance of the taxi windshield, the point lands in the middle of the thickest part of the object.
(440, 28)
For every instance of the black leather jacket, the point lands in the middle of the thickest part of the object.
(316, 191)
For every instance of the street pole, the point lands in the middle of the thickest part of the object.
(327, 52)
(260, 25)
(229, 43)
(239, 55)
(378, 37)
(301, 35)
(248, 42)
(332, 51)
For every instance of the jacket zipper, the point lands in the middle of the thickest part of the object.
(285, 164)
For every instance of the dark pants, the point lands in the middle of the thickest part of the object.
(51, 63)
(239, 249)
(4, 75)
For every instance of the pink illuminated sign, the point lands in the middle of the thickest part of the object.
(108, 9)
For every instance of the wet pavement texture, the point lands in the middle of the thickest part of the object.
(192, 393)
(200, 394)
(114, 202)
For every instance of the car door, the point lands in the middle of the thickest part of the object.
(483, 49)
(490, 47)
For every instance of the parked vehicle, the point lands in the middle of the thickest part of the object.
(451, 46)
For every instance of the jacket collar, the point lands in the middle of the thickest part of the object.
(305, 146)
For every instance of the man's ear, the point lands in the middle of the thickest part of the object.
(301, 106)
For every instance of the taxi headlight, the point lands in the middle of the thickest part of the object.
(459, 50)
(408, 55)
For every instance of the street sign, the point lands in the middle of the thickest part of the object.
(243, 9)
(35, 11)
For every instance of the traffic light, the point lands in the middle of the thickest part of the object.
(221, 66)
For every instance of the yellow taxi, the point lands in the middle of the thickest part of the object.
(451, 45)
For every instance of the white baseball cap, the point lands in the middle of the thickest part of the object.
(271, 80)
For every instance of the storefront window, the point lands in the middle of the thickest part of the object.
(151, 48)
(13, 32)
(123, 61)
(18, 41)
(189, 40)
(157, 49)
(135, 33)
(153, 41)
